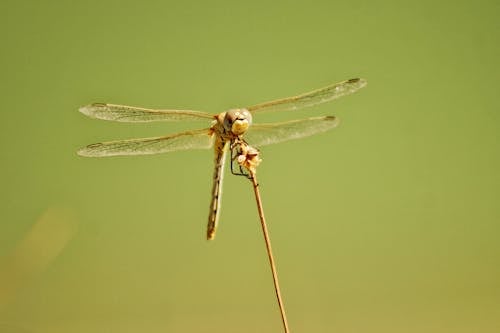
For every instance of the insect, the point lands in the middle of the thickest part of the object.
(227, 130)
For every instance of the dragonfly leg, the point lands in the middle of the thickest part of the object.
(237, 151)
(246, 157)
(236, 168)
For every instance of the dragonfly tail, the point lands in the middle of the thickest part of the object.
(214, 212)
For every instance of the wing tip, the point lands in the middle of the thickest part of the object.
(83, 152)
(89, 151)
(358, 81)
(90, 109)
(335, 121)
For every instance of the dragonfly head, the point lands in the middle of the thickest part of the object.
(237, 121)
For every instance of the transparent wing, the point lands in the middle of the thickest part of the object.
(199, 139)
(315, 97)
(133, 114)
(266, 134)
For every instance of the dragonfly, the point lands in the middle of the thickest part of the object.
(226, 130)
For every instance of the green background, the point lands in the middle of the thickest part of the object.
(389, 223)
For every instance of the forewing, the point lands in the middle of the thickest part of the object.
(315, 97)
(199, 139)
(266, 134)
(134, 114)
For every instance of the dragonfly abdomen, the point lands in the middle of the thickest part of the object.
(220, 148)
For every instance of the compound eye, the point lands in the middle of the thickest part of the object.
(237, 121)
(246, 115)
(228, 120)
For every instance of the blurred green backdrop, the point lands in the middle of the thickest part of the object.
(389, 223)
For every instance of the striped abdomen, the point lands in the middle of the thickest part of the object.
(214, 212)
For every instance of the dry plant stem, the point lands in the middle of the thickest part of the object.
(269, 251)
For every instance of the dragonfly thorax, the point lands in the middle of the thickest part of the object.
(237, 121)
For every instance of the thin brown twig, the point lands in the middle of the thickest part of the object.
(269, 251)
(248, 158)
